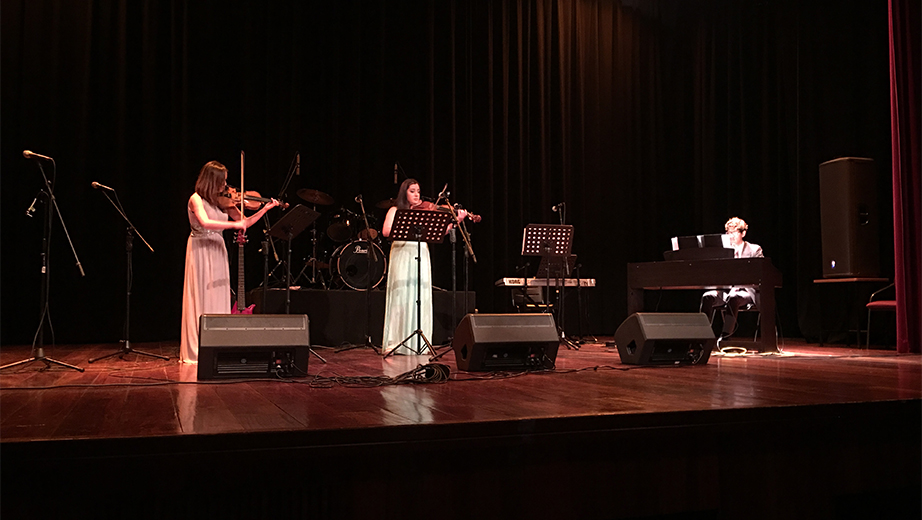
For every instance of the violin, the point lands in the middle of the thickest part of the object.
(252, 199)
(430, 206)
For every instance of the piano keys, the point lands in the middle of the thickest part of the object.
(543, 282)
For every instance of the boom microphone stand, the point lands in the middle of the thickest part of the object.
(468, 253)
(129, 274)
(51, 204)
(370, 256)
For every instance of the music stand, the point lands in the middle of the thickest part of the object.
(547, 240)
(288, 227)
(553, 243)
(419, 226)
(556, 266)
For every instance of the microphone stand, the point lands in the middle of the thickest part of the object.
(129, 275)
(452, 237)
(562, 292)
(47, 196)
(370, 256)
(468, 252)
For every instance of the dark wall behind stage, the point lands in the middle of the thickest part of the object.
(649, 119)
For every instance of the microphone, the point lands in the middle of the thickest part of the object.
(444, 192)
(358, 198)
(395, 172)
(28, 154)
(423, 197)
(100, 186)
(558, 207)
(31, 209)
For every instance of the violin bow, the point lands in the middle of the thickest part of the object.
(242, 157)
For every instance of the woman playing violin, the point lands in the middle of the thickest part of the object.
(400, 307)
(206, 288)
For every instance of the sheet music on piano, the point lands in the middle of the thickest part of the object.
(700, 247)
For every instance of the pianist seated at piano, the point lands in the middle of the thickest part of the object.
(730, 302)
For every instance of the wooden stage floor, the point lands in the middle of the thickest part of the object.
(820, 432)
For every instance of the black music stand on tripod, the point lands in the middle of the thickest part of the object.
(419, 226)
(553, 243)
(288, 227)
(129, 277)
(291, 225)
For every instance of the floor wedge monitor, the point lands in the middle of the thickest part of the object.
(487, 342)
(253, 345)
(665, 338)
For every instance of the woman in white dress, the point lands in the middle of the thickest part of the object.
(206, 288)
(400, 307)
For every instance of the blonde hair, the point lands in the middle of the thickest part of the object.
(736, 224)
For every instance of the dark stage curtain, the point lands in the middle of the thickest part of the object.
(649, 119)
(905, 89)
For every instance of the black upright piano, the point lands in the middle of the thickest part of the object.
(710, 274)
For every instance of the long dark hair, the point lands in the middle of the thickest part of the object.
(402, 202)
(211, 182)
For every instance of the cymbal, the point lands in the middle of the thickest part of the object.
(386, 203)
(315, 197)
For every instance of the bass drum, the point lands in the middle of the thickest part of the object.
(350, 263)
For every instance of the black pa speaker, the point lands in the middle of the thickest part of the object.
(849, 218)
(253, 345)
(665, 338)
(486, 342)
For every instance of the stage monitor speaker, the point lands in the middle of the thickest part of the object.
(253, 345)
(665, 338)
(850, 220)
(486, 342)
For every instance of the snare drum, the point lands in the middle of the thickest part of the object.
(350, 263)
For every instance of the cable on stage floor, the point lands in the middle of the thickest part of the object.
(429, 373)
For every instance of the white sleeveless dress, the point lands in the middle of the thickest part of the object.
(400, 308)
(206, 288)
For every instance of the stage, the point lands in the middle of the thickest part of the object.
(813, 432)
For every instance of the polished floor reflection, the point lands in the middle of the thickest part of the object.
(145, 397)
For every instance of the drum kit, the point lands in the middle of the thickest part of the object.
(349, 265)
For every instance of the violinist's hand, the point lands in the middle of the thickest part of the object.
(273, 203)
(240, 224)
(462, 214)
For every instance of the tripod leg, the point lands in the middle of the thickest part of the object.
(141, 353)
(126, 349)
(428, 343)
(440, 354)
(49, 361)
(405, 345)
(116, 353)
(17, 363)
(312, 351)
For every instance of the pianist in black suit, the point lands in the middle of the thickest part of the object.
(730, 302)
